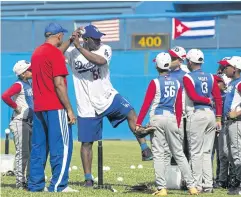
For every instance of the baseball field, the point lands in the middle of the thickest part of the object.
(119, 156)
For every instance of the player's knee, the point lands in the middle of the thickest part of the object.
(86, 145)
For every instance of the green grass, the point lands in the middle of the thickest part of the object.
(119, 155)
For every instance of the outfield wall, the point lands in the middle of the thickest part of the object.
(131, 72)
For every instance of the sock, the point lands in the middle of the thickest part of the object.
(144, 146)
(88, 176)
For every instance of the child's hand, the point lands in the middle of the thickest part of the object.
(18, 110)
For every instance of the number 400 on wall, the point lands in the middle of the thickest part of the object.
(150, 41)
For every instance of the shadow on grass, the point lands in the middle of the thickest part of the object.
(8, 185)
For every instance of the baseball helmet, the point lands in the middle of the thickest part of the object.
(196, 56)
(163, 60)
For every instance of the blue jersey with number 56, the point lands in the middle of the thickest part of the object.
(166, 94)
(203, 84)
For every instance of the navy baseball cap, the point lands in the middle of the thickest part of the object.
(54, 28)
(92, 32)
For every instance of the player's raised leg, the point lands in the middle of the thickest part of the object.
(146, 151)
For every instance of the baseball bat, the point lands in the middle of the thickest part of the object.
(7, 144)
(100, 163)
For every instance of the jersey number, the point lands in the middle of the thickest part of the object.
(204, 86)
(169, 91)
(96, 73)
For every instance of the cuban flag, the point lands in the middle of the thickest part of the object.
(191, 28)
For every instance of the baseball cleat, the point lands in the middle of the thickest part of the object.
(162, 192)
(193, 191)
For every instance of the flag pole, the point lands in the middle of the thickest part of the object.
(218, 31)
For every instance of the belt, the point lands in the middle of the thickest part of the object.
(233, 119)
(202, 109)
(28, 120)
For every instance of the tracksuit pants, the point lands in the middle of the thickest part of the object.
(51, 133)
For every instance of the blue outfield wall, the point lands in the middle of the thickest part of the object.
(131, 72)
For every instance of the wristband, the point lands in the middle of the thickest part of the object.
(218, 119)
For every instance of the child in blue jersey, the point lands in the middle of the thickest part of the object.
(21, 122)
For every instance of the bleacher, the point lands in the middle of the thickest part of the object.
(65, 8)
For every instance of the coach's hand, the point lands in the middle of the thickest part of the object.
(77, 42)
(71, 117)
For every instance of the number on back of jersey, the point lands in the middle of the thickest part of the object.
(204, 86)
(169, 91)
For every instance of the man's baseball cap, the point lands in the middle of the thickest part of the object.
(223, 62)
(21, 66)
(234, 61)
(163, 60)
(54, 28)
(92, 31)
(179, 52)
(196, 56)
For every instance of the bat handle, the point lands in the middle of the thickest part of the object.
(100, 163)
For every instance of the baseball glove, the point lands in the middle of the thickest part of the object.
(144, 131)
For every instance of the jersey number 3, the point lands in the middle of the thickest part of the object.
(204, 86)
(169, 91)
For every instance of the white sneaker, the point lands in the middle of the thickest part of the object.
(69, 189)
(46, 189)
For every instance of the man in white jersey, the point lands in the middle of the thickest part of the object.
(96, 97)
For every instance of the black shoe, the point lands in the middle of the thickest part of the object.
(207, 190)
(234, 191)
(89, 183)
(220, 184)
(147, 155)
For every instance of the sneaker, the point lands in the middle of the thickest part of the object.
(147, 155)
(219, 185)
(69, 189)
(45, 189)
(207, 190)
(89, 183)
(162, 192)
(193, 191)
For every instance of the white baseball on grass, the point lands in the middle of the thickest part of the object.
(133, 167)
(140, 166)
(114, 190)
(7, 131)
(74, 167)
(96, 179)
(120, 179)
(107, 168)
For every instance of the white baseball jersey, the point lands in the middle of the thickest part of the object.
(25, 100)
(93, 89)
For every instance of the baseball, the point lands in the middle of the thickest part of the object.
(82, 31)
(133, 167)
(7, 131)
(107, 168)
(140, 166)
(120, 179)
(74, 167)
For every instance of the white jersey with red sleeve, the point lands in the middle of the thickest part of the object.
(165, 94)
(93, 89)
